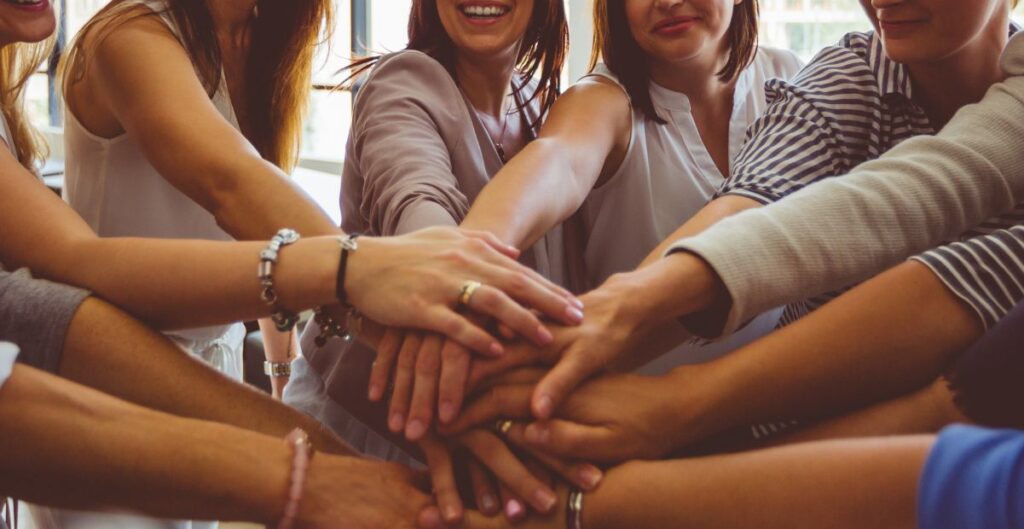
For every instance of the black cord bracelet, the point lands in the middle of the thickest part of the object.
(348, 244)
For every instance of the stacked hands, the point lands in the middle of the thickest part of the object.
(505, 422)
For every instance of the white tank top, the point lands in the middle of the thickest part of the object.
(112, 185)
(666, 177)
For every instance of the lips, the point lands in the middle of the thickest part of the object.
(675, 25)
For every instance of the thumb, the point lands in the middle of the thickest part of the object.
(553, 389)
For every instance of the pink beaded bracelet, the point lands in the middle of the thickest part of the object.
(303, 451)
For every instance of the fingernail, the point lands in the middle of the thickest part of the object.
(590, 476)
(415, 430)
(375, 393)
(574, 314)
(451, 514)
(544, 406)
(446, 412)
(497, 349)
(397, 422)
(488, 504)
(545, 499)
(514, 509)
(578, 302)
(537, 434)
(544, 335)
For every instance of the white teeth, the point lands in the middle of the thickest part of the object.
(485, 11)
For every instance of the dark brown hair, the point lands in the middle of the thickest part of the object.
(542, 52)
(278, 69)
(615, 45)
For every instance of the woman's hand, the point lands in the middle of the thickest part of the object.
(360, 494)
(416, 280)
(614, 327)
(505, 474)
(431, 518)
(610, 419)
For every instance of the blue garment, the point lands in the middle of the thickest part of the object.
(973, 479)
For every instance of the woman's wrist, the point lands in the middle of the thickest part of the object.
(307, 273)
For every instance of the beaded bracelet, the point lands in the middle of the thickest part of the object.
(303, 452)
(283, 320)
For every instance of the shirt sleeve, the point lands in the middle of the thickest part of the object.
(924, 191)
(973, 479)
(986, 272)
(789, 147)
(35, 315)
(403, 159)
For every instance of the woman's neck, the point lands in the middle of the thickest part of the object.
(232, 20)
(697, 79)
(487, 82)
(942, 87)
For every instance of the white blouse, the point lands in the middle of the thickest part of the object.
(666, 177)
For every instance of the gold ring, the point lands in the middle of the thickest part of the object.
(502, 426)
(468, 289)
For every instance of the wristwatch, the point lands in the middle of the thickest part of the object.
(277, 369)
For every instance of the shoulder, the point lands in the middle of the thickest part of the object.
(600, 82)
(837, 70)
(411, 75)
(777, 62)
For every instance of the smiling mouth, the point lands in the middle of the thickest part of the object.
(25, 2)
(483, 12)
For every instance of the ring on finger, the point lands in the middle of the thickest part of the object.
(467, 291)
(502, 427)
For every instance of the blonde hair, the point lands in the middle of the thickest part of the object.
(279, 68)
(18, 62)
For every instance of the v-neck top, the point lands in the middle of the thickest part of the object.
(114, 187)
(666, 177)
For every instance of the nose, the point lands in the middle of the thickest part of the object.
(667, 4)
(882, 4)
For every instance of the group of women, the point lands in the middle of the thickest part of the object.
(542, 309)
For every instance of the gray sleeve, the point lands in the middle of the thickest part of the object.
(844, 230)
(403, 158)
(35, 315)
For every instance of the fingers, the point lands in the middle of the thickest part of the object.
(459, 328)
(399, 408)
(566, 439)
(483, 489)
(519, 355)
(583, 475)
(510, 402)
(424, 392)
(567, 374)
(522, 285)
(514, 507)
(494, 242)
(455, 364)
(494, 454)
(387, 352)
(492, 301)
(442, 475)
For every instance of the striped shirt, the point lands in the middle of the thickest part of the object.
(850, 105)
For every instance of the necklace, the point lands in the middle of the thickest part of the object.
(501, 137)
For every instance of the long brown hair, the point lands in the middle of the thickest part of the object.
(615, 45)
(543, 49)
(19, 61)
(278, 70)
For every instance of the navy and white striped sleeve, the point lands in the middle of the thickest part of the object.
(805, 132)
(986, 272)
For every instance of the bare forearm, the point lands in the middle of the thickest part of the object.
(103, 344)
(839, 484)
(69, 446)
(883, 339)
(708, 216)
(537, 190)
(193, 283)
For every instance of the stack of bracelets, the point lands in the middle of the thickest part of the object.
(285, 320)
